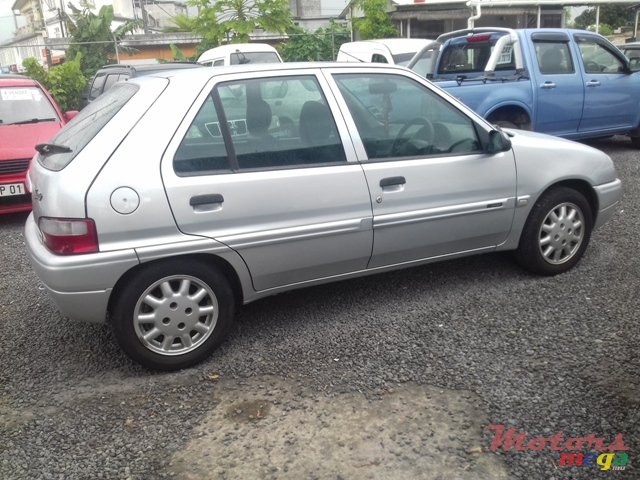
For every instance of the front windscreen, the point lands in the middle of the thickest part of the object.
(20, 105)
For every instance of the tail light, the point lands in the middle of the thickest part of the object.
(478, 38)
(68, 236)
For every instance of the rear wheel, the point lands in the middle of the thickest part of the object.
(172, 314)
(556, 233)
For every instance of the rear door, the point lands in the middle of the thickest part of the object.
(558, 83)
(291, 200)
(612, 94)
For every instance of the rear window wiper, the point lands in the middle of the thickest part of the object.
(33, 120)
(51, 148)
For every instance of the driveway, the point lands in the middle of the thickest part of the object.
(394, 376)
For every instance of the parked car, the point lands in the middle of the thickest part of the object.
(173, 199)
(28, 115)
(109, 75)
(570, 83)
(632, 52)
(395, 51)
(239, 54)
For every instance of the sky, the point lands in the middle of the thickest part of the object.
(6, 20)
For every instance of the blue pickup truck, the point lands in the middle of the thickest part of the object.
(569, 83)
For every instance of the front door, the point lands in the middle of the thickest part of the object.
(611, 93)
(289, 197)
(434, 192)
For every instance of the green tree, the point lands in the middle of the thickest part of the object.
(181, 23)
(65, 82)
(614, 16)
(375, 22)
(323, 44)
(234, 20)
(91, 35)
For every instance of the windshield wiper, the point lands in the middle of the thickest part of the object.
(33, 120)
(51, 148)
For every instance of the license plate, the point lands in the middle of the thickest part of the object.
(11, 189)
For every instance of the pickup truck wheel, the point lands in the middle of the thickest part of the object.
(556, 233)
(172, 315)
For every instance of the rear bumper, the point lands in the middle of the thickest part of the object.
(609, 195)
(79, 284)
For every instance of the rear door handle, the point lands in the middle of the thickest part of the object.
(392, 181)
(207, 203)
(593, 83)
(548, 85)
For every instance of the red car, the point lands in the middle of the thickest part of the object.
(28, 116)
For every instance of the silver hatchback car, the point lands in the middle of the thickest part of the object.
(173, 199)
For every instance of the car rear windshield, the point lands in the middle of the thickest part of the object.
(79, 132)
(472, 54)
(19, 105)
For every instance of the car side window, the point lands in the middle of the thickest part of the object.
(96, 86)
(202, 150)
(110, 81)
(218, 63)
(597, 59)
(554, 58)
(397, 117)
(377, 58)
(280, 122)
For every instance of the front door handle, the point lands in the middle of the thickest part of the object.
(392, 181)
(206, 203)
(593, 83)
(548, 85)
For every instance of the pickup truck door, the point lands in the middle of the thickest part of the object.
(612, 94)
(558, 83)
(434, 192)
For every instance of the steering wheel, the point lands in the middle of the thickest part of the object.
(469, 141)
(592, 67)
(417, 142)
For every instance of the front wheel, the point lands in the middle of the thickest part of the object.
(556, 233)
(172, 314)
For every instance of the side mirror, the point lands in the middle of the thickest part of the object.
(70, 114)
(634, 64)
(498, 142)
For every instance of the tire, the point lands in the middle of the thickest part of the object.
(635, 141)
(556, 233)
(168, 334)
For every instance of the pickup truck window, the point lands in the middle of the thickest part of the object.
(398, 118)
(554, 58)
(598, 59)
(472, 56)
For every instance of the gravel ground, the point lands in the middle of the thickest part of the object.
(465, 343)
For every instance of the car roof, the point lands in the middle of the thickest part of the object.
(14, 80)
(272, 67)
(394, 45)
(243, 47)
(146, 68)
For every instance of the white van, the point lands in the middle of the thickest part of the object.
(397, 51)
(239, 53)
